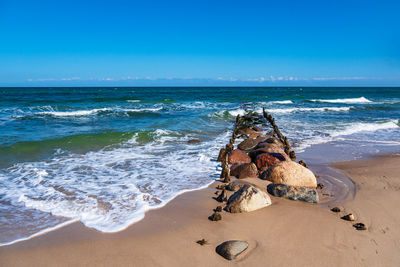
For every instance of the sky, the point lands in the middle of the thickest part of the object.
(199, 43)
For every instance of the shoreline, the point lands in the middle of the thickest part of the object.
(183, 220)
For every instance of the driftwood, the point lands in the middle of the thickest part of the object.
(280, 136)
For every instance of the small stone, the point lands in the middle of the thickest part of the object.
(320, 186)
(231, 249)
(231, 186)
(302, 163)
(202, 242)
(349, 217)
(216, 216)
(218, 209)
(293, 192)
(360, 226)
(335, 209)
(222, 197)
(194, 141)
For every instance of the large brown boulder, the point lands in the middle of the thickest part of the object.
(248, 144)
(246, 131)
(290, 173)
(266, 160)
(254, 135)
(271, 140)
(245, 170)
(271, 148)
(238, 156)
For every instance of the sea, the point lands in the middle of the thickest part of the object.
(105, 156)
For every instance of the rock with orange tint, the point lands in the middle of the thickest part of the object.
(238, 156)
(266, 160)
(290, 173)
(245, 170)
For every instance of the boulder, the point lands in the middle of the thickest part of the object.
(246, 131)
(231, 249)
(258, 129)
(266, 160)
(275, 141)
(293, 192)
(290, 173)
(244, 170)
(254, 135)
(248, 144)
(238, 156)
(271, 148)
(248, 198)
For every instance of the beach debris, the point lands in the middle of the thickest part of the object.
(202, 242)
(216, 216)
(320, 186)
(248, 144)
(302, 163)
(231, 249)
(218, 209)
(335, 209)
(349, 217)
(266, 160)
(238, 156)
(194, 141)
(293, 192)
(290, 173)
(248, 198)
(222, 197)
(360, 226)
(245, 170)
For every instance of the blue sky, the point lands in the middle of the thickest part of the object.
(111, 43)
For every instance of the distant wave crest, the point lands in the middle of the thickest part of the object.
(359, 100)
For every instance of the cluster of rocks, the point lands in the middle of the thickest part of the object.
(262, 154)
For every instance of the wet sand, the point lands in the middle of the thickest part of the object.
(287, 233)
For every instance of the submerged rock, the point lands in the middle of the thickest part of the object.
(231, 249)
(290, 173)
(293, 192)
(245, 170)
(194, 141)
(248, 198)
(238, 156)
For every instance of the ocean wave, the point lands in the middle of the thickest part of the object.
(322, 109)
(282, 102)
(144, 176)
(133, 100)
(359, 100)
(348, 130)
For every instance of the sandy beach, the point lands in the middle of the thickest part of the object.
(287, 233)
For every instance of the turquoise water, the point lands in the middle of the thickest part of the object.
(104, 156)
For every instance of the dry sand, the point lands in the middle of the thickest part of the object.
(287, 233)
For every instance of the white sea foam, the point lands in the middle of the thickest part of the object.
(95, 111)
(112, 188)
(282, 102)
(359, 100)
(348, 130)
(133, 101)
(322, 109)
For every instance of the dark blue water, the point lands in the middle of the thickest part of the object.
(106, 155)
